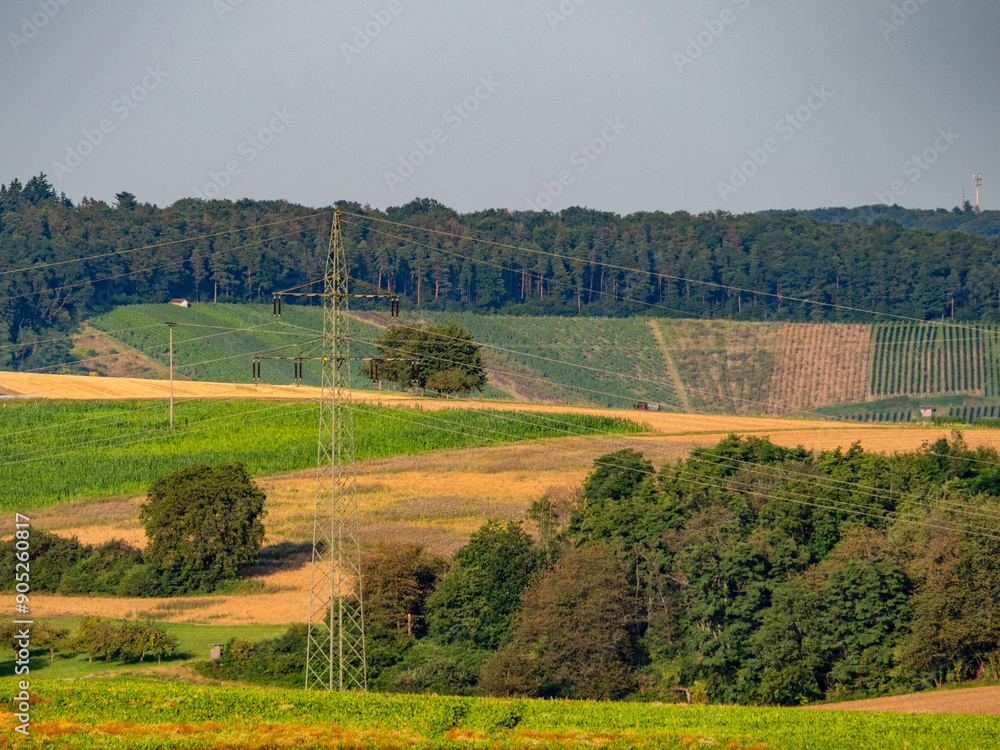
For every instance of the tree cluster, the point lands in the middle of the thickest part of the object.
(202, 524)
(127, 640)
(440, 357)
(746, 573)
(579, 261)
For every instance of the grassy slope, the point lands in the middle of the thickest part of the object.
(146, 714)
(64, 450)
(208, 344)
(604, 361)
(726, 367)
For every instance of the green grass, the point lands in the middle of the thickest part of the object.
(726, 366)
(209, 345)
(57, 451)
(604, 361)
(193, 639)
(149, 713)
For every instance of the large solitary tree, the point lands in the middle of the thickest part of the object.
(447, 358)
(204, 521)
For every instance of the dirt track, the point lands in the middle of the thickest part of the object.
(984, 700)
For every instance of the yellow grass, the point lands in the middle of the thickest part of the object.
(115, 358)
(85, 387)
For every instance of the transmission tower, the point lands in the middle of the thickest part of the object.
(335, 650)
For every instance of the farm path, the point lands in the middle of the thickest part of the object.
(668, 361)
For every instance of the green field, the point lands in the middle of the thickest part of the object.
(57, 451)
(911, 358)
(193, 643)
(725, 367)
(572, 359)
(148, 713)
(210, 342)
(605, 361)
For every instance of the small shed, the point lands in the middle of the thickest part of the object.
(180, 302)
(216, 651)
(927, 411)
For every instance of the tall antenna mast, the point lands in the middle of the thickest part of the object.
(978, 178)
(335, 648)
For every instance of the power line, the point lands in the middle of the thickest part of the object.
(508, 268)
(819, 482)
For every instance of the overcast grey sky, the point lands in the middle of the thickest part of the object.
(737, 105)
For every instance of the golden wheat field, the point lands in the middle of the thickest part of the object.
(436, 500)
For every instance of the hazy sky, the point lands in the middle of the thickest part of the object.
(737, 105)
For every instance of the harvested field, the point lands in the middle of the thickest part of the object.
(94, 387)
(984, 700)
(436, 500)
(817, 364)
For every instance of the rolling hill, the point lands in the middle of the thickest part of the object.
(865, 372)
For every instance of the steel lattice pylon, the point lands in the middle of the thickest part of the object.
(335, 651)
(335, 647)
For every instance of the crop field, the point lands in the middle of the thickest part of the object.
(148, 713)
(609, 362)
(723, 366)
(967, 411)
(918, 358)
(56, 451)
(819, 364)
(775, 368)
(215, 342)
(712, 366)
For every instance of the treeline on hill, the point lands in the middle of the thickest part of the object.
(597, 263)
(962, 218)
(745, 573)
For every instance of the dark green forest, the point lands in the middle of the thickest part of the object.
(963, 218)
(60, 263)
(746, 573)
